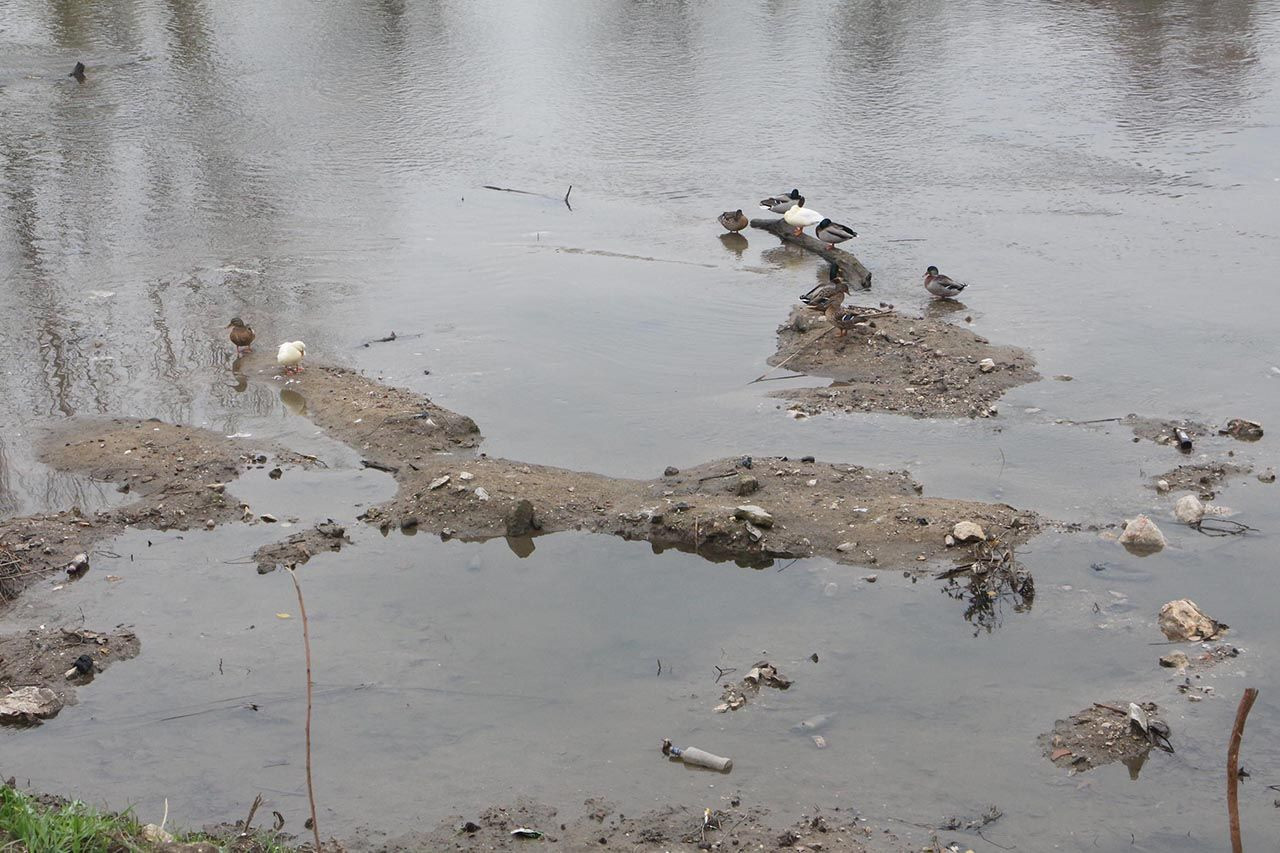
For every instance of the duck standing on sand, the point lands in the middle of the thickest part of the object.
(833, 232)
(942, 286)
(824, 296)
(801, 217)
(290, 356)
(845, 319)
(782, 202)
(733, 220)
(241, 335)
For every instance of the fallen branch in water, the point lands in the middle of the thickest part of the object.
(1233, 766)
(508, 190)
(854, 272)
(306, 645)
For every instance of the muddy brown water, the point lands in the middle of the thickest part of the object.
(1102, 173)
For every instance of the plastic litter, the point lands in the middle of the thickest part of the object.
(697, 757)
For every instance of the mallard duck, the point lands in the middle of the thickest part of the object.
(782, 202)
(290, 356)
(825, 295)
(833, 232)
(845, 319)
(241, 335)
(733, 220)
(941, 286)
(801, 217)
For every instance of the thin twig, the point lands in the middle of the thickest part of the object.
(306, 645)
(566, 197)
(793, 355)
(253, 810)
(1233, 766)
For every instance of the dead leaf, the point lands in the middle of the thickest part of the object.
(1059, 753)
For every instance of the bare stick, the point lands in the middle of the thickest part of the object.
(566, 197)
(1233, 766)
(761, 377)
(253, 810)
(306, 645)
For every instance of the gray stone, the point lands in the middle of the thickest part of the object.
(754, 514)
(519, 520)
(747, 484)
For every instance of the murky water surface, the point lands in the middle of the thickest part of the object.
(1103, 173)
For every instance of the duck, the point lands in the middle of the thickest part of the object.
(782, 202)
(241, 335)
(290, 356)
(845, 319)
(733, 220)
(942, 286)
(825, 295)
(801, 217)
(833, 232)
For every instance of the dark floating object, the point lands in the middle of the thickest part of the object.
(78, 72)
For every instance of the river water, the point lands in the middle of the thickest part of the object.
(1103, 173)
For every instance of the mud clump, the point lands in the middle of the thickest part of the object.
(1100, 734)
(43, 657)
(1206, 479)
(327, 536)
(914, 366)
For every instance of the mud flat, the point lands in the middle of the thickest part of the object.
(916, 366)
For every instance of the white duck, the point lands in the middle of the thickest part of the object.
(801, 217)
(942, 286)
(290, 356)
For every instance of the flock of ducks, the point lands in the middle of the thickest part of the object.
(827, 298)
(289, 356)
(794, 213)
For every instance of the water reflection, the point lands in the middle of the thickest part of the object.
(736, 244)
(294, 402)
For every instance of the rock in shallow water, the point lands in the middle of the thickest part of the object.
(1141, 536)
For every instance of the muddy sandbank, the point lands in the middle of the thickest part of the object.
(922, 367)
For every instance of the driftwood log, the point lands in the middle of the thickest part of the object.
(854, 272)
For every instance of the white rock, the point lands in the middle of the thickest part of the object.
(1141, 536)
(754, 514)
(949, 540)
(1188, 510)
(1184, 620)
(845, 547)
(466, 475)
(481, 493)
(28, 703)
(438, 482)
(986, 365)
(968, 531)
(1162, 486)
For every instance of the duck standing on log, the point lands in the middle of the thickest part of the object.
(833, 232)
(733, 220)
(801, 217)
(782, 202)
(941, 286)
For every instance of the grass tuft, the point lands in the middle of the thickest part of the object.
(26, 824)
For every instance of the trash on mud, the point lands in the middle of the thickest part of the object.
(819, 741)
(762, 674)
(1142, 537)
(1183, 621)
(78, 566)
(1243, 430)
(29, 705)
(1183, 439)
(83, 666)
(1103, 733)
(525, 832)
(696, 757)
